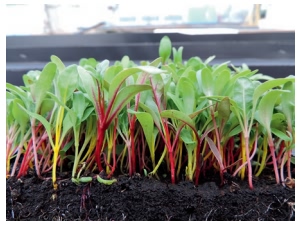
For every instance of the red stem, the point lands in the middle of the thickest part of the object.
(272, 151)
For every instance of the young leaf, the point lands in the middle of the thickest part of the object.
(125, 95)
(43, 84)
(206, 81)
(18, 113)
(280, 134)
(243, 92)
(147, 124)
(262, 88)
(209, 59)
(223, 109)
(67, 82)
(174, 114)
(45, 123)
(88, 83)
(185, 89)
(106, 182)
(288, 101)
(56, 60)
(165, 47)
(265, 108)
(215, 152)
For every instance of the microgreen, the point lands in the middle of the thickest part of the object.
(176, 117)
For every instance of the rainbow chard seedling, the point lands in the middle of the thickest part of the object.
(165, 47)
(264, 116)
(241, 107)
(287, 106)
(213, 81)
(267, 109)
(117, 98)
(16, 126)
(169, 116)
(33, 103)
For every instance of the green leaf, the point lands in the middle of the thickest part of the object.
(88, 111)
(46, 106)
(215, 152)
(177, 101)
(67, 123)
(165, 47)
(19, 115)
(67, 82)
(186, 136)
(177, 55)
(106, 182)
(79, 104)
(235, 131)
(121, 76)
(206, 82)
(150, 70)
(174, 114)
(264, 87)
(111, 72)
(288, 101)
(223, 109)
(119, 79)
(88, 83)
(221, 81)
(147, 124)
(45, 123)
(209, 59)
(278, 121)
(56, 60)
(125, 62)
(16, 90)
(280, 134)
(265, 108)
(85, 179)
(243, 92)
(156, 62)
(102, 67)
(151, 108)
(43, 84)
(125, 95)
(185, 89)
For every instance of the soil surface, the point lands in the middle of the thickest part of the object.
(140, 198)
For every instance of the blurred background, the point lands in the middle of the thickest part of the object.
(194, 18)
(262, 36)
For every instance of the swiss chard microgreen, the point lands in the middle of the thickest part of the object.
(188, 116)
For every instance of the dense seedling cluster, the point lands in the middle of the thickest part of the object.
(188, 116)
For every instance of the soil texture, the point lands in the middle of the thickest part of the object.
(140, 198)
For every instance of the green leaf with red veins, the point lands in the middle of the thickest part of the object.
(118, 80)
(124, 96)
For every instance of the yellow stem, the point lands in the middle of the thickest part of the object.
(57, 144)
(242, 171)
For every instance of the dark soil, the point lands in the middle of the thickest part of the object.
(142, 198)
